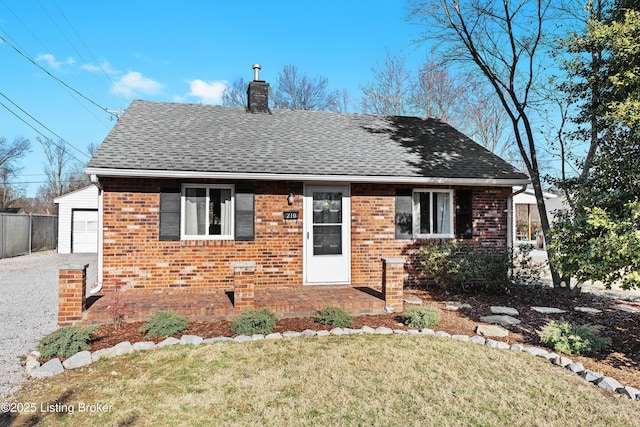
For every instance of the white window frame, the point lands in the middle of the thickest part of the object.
(183, 235)
(416, 214)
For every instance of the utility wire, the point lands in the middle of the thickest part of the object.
(36, 130)
(54, 77)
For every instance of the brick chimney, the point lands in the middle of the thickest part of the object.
(258, 93)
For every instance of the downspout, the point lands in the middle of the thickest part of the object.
(94, 180)
(511, 226)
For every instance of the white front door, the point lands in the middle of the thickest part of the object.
(327, 217)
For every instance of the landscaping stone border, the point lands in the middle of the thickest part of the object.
(84, 358)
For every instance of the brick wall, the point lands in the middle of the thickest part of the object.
(133, 252)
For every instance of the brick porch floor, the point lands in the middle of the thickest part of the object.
(301, 301)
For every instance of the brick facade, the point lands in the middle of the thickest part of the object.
(72, 285)
(133, 252)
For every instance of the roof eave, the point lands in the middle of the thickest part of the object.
(146, 173)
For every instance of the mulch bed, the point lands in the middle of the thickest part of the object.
(621, 360)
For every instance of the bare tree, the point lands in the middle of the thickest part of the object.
(437, 93)
(504, 41)
(10, 153)
(390, 90)
(235, 94)
(298, 92)
(57, 168)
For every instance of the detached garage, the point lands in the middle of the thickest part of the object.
(78, 221)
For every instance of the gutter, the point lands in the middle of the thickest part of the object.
(98, 287)
(387, 179)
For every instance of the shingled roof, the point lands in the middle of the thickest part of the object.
(158, 138)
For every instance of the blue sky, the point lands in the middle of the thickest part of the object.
(113, 53)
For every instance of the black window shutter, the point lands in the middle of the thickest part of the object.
(170, 213)
(464, 214)
(404, 213)
(245, 213)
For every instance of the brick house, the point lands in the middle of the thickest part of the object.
(303, 197)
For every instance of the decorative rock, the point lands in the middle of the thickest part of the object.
(548, 310)
(257, 337)
(274, 336)
(337, 331)
(143, 345)
(575, 367)
(455, 305)
(443, 334)
(562, 361)
(123, 348)
(625, 308)
(78, 360)
(631, 392)
(477, 340)
(367, 330)
(609, 383)
(427, 331)
(500, 320)
(191, 340)
(168, 341)
(589, 310)
(549, 356)
(309, 333)
(103, 353)
(491, 331)
(463, 338)
(413, 300)
(413, 331)
(51, 368)
(382, 330)
(214, 340)
(34, 355)
(291, 334)
(592, 377)
(497, 344)
(400, 331)
(242, 338)
(323, 334)
(31, 365)
(504, 310)
(535, 351)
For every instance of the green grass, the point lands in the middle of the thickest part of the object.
(349, 380)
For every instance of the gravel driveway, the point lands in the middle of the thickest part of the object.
(29, 306)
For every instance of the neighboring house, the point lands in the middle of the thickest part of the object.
(78, 221)
(12, 211)
(526, 219)
(310, 197)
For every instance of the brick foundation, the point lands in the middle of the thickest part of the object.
(72, 282)
(243, 286)
(393, 283)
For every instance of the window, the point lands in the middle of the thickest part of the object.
(207, 212)
(464, 214)
(432, 213)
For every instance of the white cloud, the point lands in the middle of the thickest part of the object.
(133, 83)
(104, 67)
(51, 61)
(208, 92)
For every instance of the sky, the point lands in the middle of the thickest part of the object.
(104, 55)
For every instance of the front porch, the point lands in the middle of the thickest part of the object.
(219, 304)
(208, 305)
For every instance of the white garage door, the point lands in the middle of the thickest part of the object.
(84, 236)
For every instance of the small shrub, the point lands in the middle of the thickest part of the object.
(421, 317)
(334, 316)
(65, 342)
(568, 338)
(164, 324)
(253, 322)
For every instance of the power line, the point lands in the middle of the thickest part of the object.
(54, 77)
(37, 121)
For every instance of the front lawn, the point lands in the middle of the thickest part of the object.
(339, 380)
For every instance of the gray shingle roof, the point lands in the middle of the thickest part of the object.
(203, 138)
